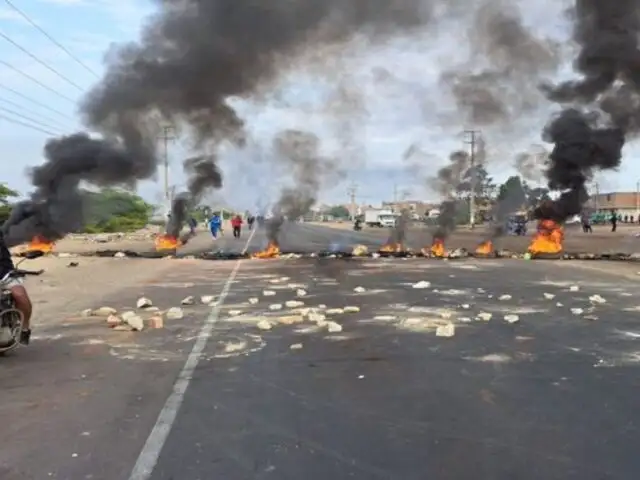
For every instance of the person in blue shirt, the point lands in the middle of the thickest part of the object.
(215, 225)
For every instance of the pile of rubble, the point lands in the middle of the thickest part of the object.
(145, 315)
(144, 234)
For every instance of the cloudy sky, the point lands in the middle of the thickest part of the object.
(375, 104)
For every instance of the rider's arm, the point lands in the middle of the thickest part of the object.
(6, 262)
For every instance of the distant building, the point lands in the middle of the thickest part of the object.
(625, 203)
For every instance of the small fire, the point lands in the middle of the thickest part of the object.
(167, 242)
(485, 248)
(272, 251)
(392, 248)
(40, 244)
(548, 239)
(437, 248)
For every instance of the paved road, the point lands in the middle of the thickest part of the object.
(553, 396)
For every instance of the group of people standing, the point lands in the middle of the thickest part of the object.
(215, 224)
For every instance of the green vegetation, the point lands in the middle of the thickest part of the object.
(6, 194)
(113, 210)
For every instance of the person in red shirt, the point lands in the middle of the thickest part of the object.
(236, 223)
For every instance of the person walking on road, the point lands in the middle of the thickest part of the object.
(215, 225)
(236, 223)
(586, 223)
(250, 221)
(614, 220)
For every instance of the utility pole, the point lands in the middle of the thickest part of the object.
(353, 188)
(597, 202)
(395, 193)
(473, 137)
(166, 137)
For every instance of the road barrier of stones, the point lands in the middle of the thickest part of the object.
(452, 255)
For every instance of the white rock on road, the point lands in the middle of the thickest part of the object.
(103, 312)
(301, 292)
(359, 289)
(264, 325)
(423, 284)
(334, 327)
(351, 309)
(268, 293)
(484, 316)
(294, 304)
(174, 313)
(275, 307)
(190, 300)
(511, 318)
(207, 299)
(144, 302)
(446, 331)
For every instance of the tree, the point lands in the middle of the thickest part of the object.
(478, 177)
(339, 211)
(513, 190)
(112, 210)
(6, 194)
(535, 195)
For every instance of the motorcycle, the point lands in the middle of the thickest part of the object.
(10, 317)
(357, 226)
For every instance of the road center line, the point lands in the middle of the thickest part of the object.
(148, 458)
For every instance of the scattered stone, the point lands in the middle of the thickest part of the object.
(253, 300)
(264, 325)
(188, 300)
(296, 346)
(558, 304)
(104, 312)
(597, 299)
(276, 306)
(155, 322)
(291, 319)
(577, 311)
(113, 320)
(549, 296)
(351, 309)
(480, 290)
(590, 317)
(144, 302)
(120, 255)
(504, 297)
(293, 304)
(385, 318)
(465, 306)
(152, 309)
(512, 318)
(464, 319)
(317, 317)
(134, 321)
(375, 255)
(334, 327)
(446, 331)
(174, 313)
(86, 312)
(322, 306)
(574, 288)
(359, 289)
(422, 284)
(235, 313)
(301, 292)
(446, 314)
(335, 311)
(207, 299)
(268, 293)
(123, 328)
(484, 316)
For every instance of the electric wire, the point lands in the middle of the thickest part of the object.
(51, 38)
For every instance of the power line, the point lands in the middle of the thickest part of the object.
(35, 80)
(22, 107)
(51, 39)
(18, 122)
(41, 62)
(34, 101)
(27, 118)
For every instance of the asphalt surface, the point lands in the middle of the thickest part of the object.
(553, 396)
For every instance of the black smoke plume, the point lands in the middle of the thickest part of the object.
(500, 81)
(592, 137)
(203, 174)
(192, 57)
(300, 152)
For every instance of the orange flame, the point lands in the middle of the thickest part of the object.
(40, 244)
(485, 248)
(166, 242)
(437, 248)
(548, 239)
(392, 248)
(272, 251)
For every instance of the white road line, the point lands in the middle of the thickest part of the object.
(148, 458)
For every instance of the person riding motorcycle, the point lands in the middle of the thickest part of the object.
(357, 225)
(20, 295)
